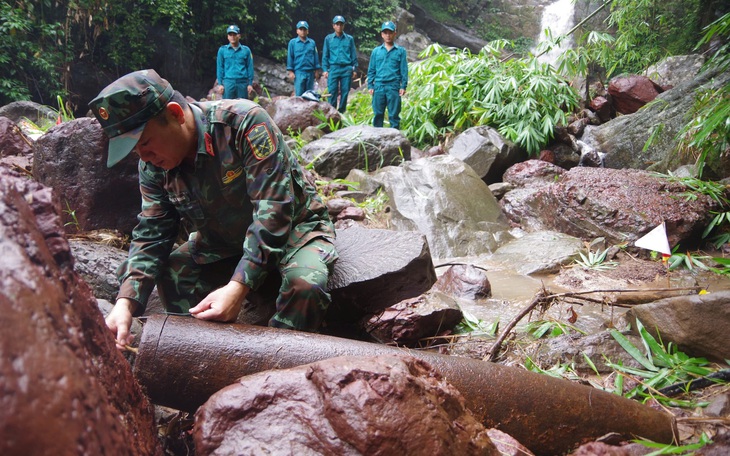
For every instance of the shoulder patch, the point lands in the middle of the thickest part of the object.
(261, 141)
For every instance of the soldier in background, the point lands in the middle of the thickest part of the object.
(339, 63)
(223, 168)
(234, 67)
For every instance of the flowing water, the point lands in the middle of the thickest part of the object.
(512, 292)
(558, 17)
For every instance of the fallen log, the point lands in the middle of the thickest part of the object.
(183, 361)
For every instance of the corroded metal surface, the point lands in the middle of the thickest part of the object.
(183, 361)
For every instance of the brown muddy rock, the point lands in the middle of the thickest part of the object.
(12, 139)
(411, 320)
(71, 158)
(531, 172)
(629, 93)
(337, 205)
(602, 107)
(603, 449)
(464, 281)
(346, 406)
(65, 387)
(697, 324)
(352, 213)
(618, 204)
(296, 114)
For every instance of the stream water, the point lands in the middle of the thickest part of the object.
(512, 292)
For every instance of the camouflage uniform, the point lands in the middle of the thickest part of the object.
(251, 211)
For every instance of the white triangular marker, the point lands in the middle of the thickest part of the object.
(656, 240)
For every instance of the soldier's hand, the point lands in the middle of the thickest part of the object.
(119, 321)
(223, 304)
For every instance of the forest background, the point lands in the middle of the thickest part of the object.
(52, 51)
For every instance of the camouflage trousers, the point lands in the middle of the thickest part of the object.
(302, 300)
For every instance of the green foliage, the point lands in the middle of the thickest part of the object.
(662, 448)
(661, 366)
(475, 326)
(30, 59)
(550, 328)
(595, 260)
(452, 90)
(359, 109)
(649, 30)
(686, 260)
(707, 134)
(72, 214)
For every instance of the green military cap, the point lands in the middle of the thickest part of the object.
(124, 107)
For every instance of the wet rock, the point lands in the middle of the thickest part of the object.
(12, 140)
(444, 199)
(602, 107)
(675, 70)
(296, 114)
(351, 213)
(603, 449)
(39, 114)
(622, 138)
(601, 348)
(694, 323)
(66, 388)
(71, 158)
(337, 205)
(487, 152)
(538, 252)
(377, 269)
(357, 147)
(719, 406)
(464, 281)
(532, 172)
(97, 264)
(629, 93)
(411, 320)
(337, 406)
(620, 205)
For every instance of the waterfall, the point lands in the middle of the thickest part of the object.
(558, 17)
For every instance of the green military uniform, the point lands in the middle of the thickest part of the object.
(250, 211)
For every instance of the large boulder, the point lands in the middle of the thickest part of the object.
(675, 70)
(697, 324)
(66, 389)
(344, 406)
(71, 158)
(629, 93)
(619, 205)
(487, 152)
(357, 147)
(622, 139)
(295, 114)
(378, 268)
(444, 199)
(448, 35)
(39, 114)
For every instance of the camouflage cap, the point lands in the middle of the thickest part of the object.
(124, 107)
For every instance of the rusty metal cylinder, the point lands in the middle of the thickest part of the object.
(183, 361)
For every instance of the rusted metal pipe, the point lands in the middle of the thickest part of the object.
(183, 361)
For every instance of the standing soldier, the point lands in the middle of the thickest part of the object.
(235, 66)
(387, 77)
(302, 60)
(339, 62)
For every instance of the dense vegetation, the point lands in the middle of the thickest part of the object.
(43, 39)
(451, 90)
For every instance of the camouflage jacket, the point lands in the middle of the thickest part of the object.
(246, 196)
